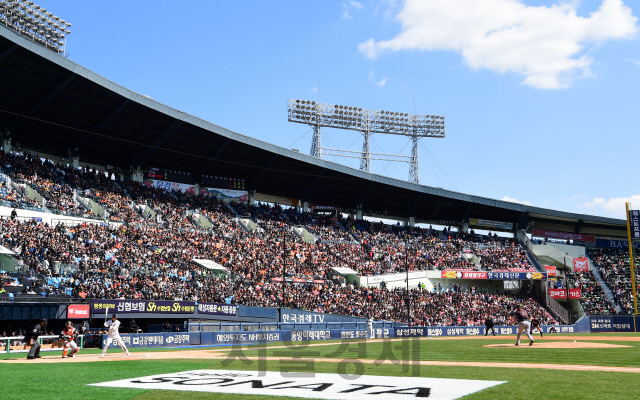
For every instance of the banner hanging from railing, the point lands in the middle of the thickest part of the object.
(142, 306)
(580, 264)
(562, 293)
(499, 275)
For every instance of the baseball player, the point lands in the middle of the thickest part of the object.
(371, 333)
(523, 324)
(69, 335)
(535, 324)
(490, 326)
(113, 326)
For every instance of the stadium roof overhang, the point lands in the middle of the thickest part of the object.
(51, 105)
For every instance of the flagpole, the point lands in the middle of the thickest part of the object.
(633, 274)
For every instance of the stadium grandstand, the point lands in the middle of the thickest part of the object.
(107, 194)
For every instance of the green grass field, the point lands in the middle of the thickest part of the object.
(69, 380)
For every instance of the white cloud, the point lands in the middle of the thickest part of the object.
(380, 83)
(512, 200)
(350, 5)
(614, 205)
(546, 45)
(636, 62)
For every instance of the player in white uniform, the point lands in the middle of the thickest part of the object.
(113, 326)
(371, 334)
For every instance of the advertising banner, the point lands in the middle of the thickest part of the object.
(490, 224)
(551, 270)
(217, 309)
(500, 275)
(158, 339)
(237, 195)
(634, 224)
(464, 275)
(142, 306)
(612, 323)
(562, 293)
(580, 264)
(166, 185)
(423, 331)
(75, 311)
(562, 235)
(291, 381)
(293, 316)
(616, 244)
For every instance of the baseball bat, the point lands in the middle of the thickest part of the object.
(106, 313)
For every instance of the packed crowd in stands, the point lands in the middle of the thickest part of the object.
(149, 254)
(615, 268)
(593, 299)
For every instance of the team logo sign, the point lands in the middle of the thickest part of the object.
(313, 386)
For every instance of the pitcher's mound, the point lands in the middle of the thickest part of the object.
(560, 345)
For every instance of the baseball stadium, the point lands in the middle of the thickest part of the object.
(145, 253)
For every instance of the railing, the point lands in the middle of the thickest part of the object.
(7, 343)
(557, 309)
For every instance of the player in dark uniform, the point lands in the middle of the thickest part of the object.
(535, 324)
(523, 324)
(488, 322)
(31, 338)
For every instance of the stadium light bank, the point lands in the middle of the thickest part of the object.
(367, 122)
(36, 23)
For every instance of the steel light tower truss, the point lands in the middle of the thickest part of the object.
(367, 122)
(35, 22)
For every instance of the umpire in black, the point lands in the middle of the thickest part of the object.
(488, 322)
(31, 337)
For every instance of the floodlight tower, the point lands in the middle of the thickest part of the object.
(36, 23)
(367, 122)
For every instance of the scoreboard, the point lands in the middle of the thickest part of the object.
(164, 174)
(221, 182)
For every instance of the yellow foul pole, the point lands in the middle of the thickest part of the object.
(633, 274)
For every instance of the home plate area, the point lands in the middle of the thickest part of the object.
(306, 385)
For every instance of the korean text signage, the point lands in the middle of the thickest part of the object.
(580, 264)
(75, 311)
(423, 331)
(464, 275)
(308, 385)
(142, 306)
(493, 275)
(612, 324)
(562, 293)
(563, 235)
(634, 224)
(217, 309)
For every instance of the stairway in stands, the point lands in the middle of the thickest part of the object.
(603, 285)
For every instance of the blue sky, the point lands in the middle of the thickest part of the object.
(540, 97)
